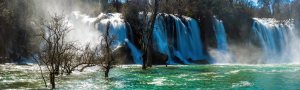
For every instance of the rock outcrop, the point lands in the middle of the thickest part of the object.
(122, 55)
(159, 58)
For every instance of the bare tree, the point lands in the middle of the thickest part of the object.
(55, 49)
(104, 54)
(68, 62)
(88, 58)
(58, 54)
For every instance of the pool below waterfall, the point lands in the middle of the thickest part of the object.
(264, 76)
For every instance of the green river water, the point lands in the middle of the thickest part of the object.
(266, 76)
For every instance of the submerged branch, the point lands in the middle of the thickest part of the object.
(89, 65)
(40, 69)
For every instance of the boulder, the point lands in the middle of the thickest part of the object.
(122, 55)
(159, 58)
(15, 57)
(177, 60)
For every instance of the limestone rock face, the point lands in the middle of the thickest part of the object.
(177, 60)
(122, 55)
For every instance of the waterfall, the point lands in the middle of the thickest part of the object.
(171, 35)
(278, 41)
(130, 32)
(220, 36)
(89, 29)
(221, 55)
(83, 31)
(179, 38)
(117, 26)
(120, 27)
(136, 54)
(176, 39)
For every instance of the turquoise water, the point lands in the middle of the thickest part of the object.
(267, 76)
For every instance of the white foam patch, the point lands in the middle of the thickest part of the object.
(208, 73)
(158, 81)
(182, 75)
(196, 79)
(289, 70)
(233, 72)
(241, 84)
(218, 76)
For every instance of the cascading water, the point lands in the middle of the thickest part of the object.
(83, 31)
(278, 41)
(221, 55)
(88, 30)
(117, 26)
(136, 54)
(178, 39)
(130, 32)
(220, 35)
(172, 37)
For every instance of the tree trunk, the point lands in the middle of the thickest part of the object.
(149, 60)
(149, 57)
(149, 46)
(57, 69)
(144, 61)
(106, 73)
(52, 80)
(19, 59)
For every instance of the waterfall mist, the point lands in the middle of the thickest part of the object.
(221, 54)
(83, 30)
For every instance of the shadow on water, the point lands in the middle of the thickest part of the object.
(19, 85)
